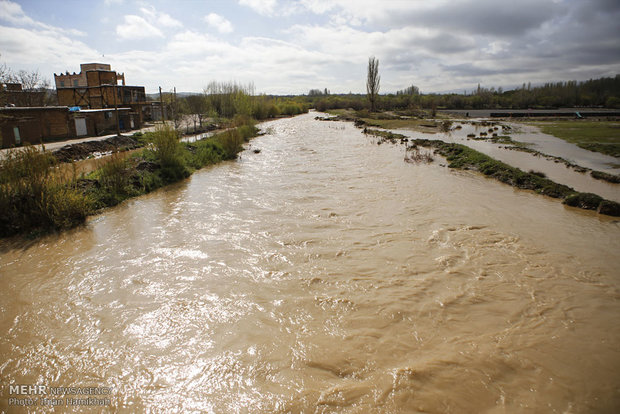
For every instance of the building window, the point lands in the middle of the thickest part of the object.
(75, 83)
(62, 84)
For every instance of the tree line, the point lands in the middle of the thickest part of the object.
(229, 100)
(603, 92)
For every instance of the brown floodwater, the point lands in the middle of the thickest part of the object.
(546, 144)
(323, 274)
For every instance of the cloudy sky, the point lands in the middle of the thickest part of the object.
(291, 46)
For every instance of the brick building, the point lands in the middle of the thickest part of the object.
(21, 125)
(88, 104)
(97, 86)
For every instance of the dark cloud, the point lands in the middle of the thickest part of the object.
(476, 70)
(448, 43)
(486, 17)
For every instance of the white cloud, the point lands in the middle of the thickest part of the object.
(264, 7)
(12, 13)
(168, 21)
(30, 49)
(150, 24)
(136, 27)
(220, 23)
(427, 44)
(156, 17)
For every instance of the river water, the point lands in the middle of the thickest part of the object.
(546, 144)
(323, 274)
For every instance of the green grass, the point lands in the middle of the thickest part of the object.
(421, 125)
(387, 120)
(385, 135)
(598, 136)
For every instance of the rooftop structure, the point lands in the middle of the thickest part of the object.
(96, 86)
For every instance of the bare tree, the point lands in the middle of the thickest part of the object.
(35, 86)
(197, 108)
(372, 82)
(6, 76)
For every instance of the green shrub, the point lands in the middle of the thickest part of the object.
(273, 111)
(65, 206)
(611, 208)
(587, 201)
(34, 196)
(207, 153)
(113, 173)
(169, 153)
(230, 142)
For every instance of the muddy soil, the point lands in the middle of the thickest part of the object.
(76, 152)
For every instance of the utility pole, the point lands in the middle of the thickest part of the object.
(118, 126)
(161, 106)
(174, 108)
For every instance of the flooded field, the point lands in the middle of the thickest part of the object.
(546, 144)
(323, 274)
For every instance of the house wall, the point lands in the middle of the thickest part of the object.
(94, 66)
(73, 97)
(36, 124)
(67, 80)
(100, 77)
(57, 123)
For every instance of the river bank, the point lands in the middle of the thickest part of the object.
(463, 157)
(38, 197)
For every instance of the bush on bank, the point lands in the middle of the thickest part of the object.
(462, 157)
(35, 197)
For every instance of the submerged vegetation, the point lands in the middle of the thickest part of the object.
(391, 120)
(462, 157)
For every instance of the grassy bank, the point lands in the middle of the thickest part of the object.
(525, 147)
(35, 198)
(415, 121)
(598, 136)
(462, 157)
(498, 139)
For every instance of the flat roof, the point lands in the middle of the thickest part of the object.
(102, 110)
(21, 108)
(30, 108)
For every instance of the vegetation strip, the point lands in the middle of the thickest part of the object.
(523, 147)
(446, 126)
(465, 158)
(35, 199)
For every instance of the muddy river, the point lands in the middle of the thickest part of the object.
(323, 274)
